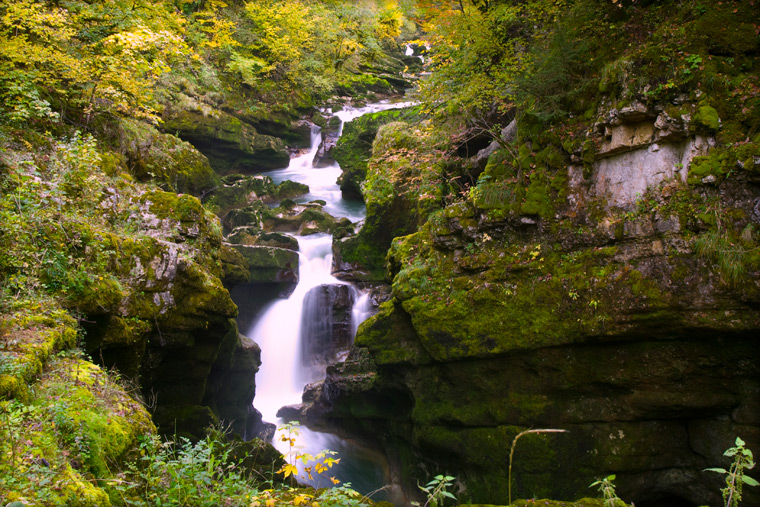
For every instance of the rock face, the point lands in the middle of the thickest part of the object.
(638, 150)
(231, 144)
(593, 309)
(169, 324)
(326, 333)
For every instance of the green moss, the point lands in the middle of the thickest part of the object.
(84, 426)
(537, 199)
(403, 348)
(707, 118)
(709, 168)
(725, 31)
(354, 148)
(32, 342)
(291, 189)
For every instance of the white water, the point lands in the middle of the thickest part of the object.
(349, 113)
(282, 378)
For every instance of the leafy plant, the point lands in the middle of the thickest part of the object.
(316, 463)
(437, 491)
(183, 473)
(13, 417)
(340, 496)
(607, 489)
(735, 478)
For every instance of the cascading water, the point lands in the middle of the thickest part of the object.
(281, 378)
(297, 335)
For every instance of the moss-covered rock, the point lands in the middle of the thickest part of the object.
(253, 236)
(268, 264)
(354, 148)
(238, 191)
(707, 118)
(74, 427)
(300, 219)
(164, 159)
(231, 145)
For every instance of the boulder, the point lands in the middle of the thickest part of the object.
(268, 264)
(231, 144)
(326, 332)
(253, 236)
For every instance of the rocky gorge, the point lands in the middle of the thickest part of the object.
(598, 318)
(561, 233)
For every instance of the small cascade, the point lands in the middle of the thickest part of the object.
(349, 113)
(361, 311)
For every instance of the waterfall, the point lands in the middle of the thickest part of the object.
(314, 327)
(360, 312)
(281, 378)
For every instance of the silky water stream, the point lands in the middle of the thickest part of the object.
(289, 331)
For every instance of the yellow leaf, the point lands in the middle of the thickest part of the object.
(288, 470)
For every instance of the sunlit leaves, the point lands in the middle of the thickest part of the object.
(317, 463)
(479, 50)
(95, 56)
(287, 470)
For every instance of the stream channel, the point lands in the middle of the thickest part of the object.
(286, 327)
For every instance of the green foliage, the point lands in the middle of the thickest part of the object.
(47, 209)
(735, 475)
(295, 51)
(437, 491)
(21, 99)
(559, 77)
(730, 255)
(341, 496)
(488, 195)
(607, 488)
(95, 57)
(183, 473)
(478, 53)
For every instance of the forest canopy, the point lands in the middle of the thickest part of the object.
(74, 59)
